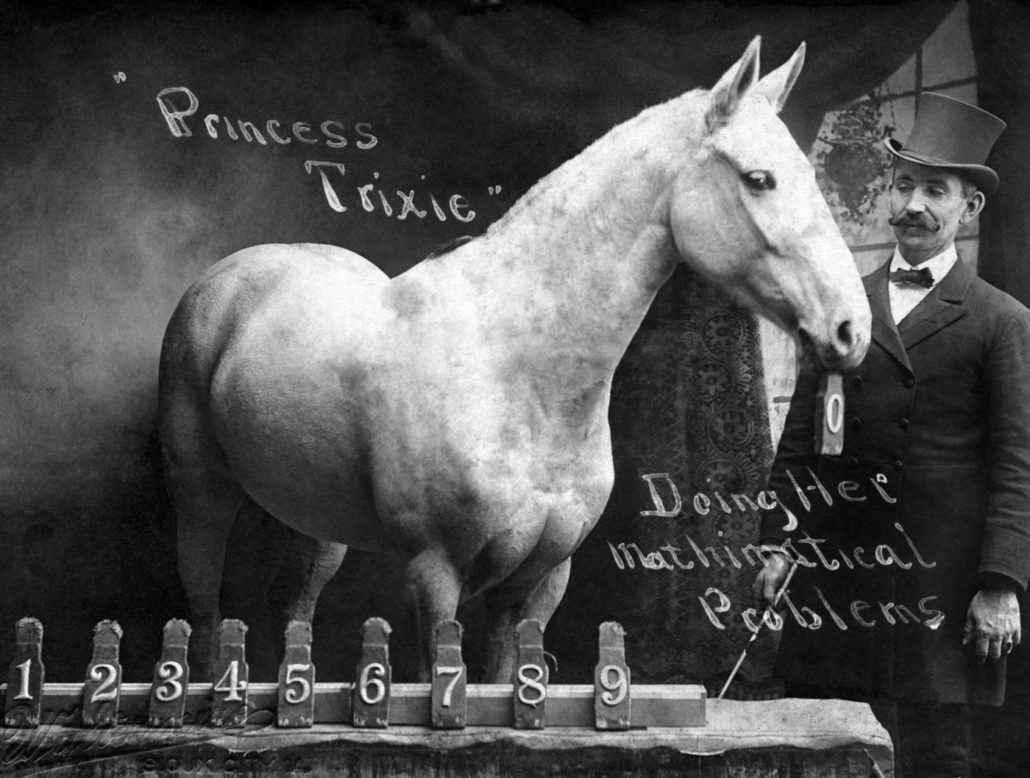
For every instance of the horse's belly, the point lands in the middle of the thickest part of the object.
(528, 523)
(305, 470)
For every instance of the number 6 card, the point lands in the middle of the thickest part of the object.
(371, 694)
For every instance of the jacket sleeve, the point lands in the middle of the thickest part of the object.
(795, 451)
(1006, 543)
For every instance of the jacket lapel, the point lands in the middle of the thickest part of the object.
(939, 308)
(884, 331)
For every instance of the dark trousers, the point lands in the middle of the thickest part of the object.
(930, 739)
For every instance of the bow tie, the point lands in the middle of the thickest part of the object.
(921, 277)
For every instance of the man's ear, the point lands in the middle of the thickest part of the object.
(974, 205)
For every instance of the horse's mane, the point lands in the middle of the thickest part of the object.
(649, 126)
(677, 118)
(448, 246)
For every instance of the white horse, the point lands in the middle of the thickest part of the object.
(455, 417)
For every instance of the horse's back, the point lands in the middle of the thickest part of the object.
(260, 368)
(231, 292)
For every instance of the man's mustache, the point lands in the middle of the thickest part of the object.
(923, 220)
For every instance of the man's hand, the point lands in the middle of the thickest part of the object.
(992, 623)
(769, 580)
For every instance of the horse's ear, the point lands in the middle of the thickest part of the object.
(777, 85)
(731, 88)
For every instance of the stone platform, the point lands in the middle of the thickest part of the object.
(796, 738)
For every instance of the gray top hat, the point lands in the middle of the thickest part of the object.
(954, 136)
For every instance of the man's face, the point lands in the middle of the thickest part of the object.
(927, 207)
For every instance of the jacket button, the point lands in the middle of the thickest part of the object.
(898, 464)
(910, 382)
(852, 463)
(856, 423)
(903, 423)
(857, 380)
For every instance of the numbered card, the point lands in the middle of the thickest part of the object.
(530, 683)
(25, 677)
(449, 679)
(102, 692)
(370, 697)
(171, 677)
(297, 679)
(611, 679)
(229, 692)
(829, 415)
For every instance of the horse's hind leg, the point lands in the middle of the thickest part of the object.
(206, 499)
(509, 604)
(205, 507)
(256, 555)
(309, 565)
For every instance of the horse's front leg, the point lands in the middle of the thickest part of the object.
(509, 604)
(433, 589)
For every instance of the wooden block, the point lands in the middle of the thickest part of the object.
(229, 692)
(611, 679)
(489, 705)
(450, 676)
(829, 415)
(530, 685)
(371, 693)
(25, 677)
(662, 705)
(296, 706)
(102, 692)
(171, 677)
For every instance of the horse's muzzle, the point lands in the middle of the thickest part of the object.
(842, 347)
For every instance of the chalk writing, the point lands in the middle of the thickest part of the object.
(815, 614)
(402, 203)
(180, 107)
(766, 500)
(179, 103)
(669, 557)
(330, 193)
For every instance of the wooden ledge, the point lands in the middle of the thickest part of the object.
(811, 737)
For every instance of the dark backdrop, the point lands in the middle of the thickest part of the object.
(105, 218)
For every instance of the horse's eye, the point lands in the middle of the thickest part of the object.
(759, 180)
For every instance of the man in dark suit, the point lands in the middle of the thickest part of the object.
(913, 547)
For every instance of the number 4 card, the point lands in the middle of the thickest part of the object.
(229, 693)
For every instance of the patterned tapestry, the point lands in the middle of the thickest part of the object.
(689, 410)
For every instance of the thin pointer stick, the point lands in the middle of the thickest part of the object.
(754, 635)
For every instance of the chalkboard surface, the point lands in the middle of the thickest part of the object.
(141, 143)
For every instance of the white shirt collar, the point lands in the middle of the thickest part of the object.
(938, 265)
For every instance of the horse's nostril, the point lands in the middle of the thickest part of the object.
(844, 334)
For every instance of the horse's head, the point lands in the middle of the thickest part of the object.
(746, 212)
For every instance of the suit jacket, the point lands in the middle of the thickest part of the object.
(930, 496)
